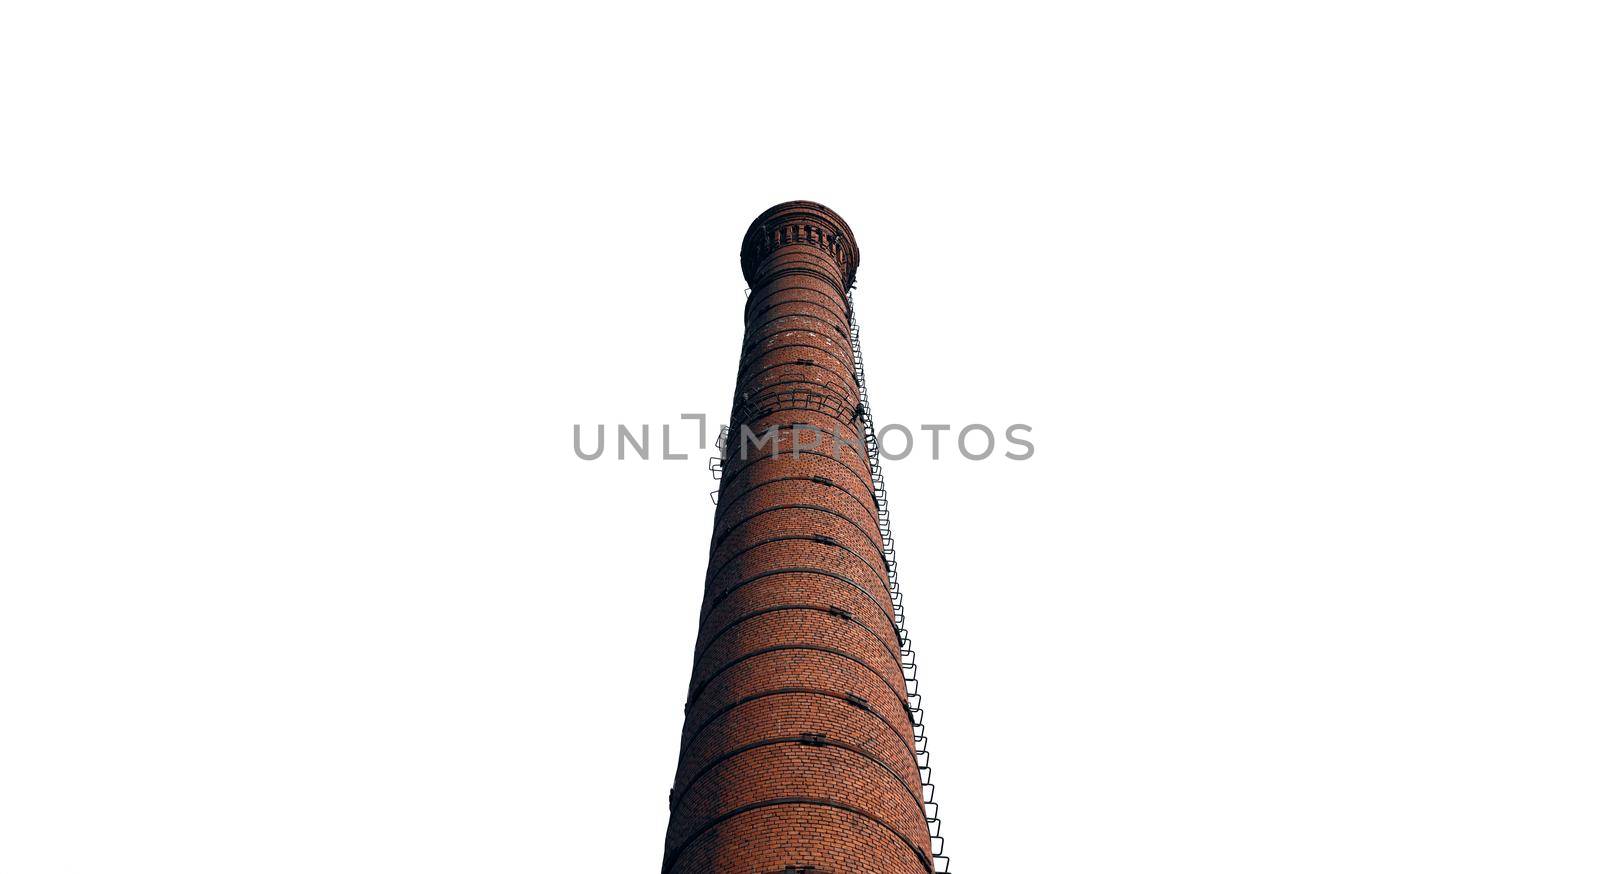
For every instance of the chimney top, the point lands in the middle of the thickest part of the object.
(831, 231)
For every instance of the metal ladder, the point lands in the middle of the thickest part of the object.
(908, 656)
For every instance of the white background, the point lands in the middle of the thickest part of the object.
(302, 300)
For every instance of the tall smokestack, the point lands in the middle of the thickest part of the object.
(802, 744)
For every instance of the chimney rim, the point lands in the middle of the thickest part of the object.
(817, 214)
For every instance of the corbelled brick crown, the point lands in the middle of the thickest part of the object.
(798, 223)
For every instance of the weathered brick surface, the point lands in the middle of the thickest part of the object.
(775, 433)
(800, 587)
(791, 715)
(797, 745)
(830, 839)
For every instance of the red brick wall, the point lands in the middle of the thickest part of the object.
(797, 745)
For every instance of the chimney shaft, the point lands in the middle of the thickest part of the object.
(798, 744)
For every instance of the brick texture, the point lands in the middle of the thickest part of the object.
(797, 743)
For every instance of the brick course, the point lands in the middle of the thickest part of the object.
(797, 743)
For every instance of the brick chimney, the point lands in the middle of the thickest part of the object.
(801, 743)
